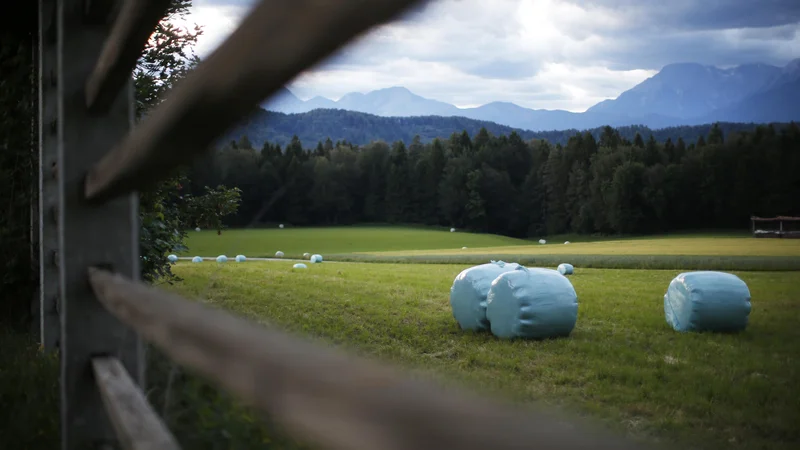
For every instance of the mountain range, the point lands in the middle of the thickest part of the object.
(680, 94)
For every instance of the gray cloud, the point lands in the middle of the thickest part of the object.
(544, 53)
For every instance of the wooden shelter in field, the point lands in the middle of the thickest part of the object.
(776, 227)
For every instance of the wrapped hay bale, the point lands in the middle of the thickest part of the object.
(299, 266)
(707, 301)
(468, 293)
(279, 254)
(566, 243)
(197, 229)
(172, 258)
(316, 258)
(452, 230)
(463, 248)
(532, 304)
(565, 269)
(197, 259)
(280, 226)
(240, 258)
(222, 259)
(542, 241)
(306, 255)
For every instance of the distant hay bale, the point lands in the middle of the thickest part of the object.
(197, 229)
(279, 254)
(531, 304)
(316, 258)
(222, 259)
(566, 242)
(707, 301)
(463, 248)
(197, 259)
(299, 266)
(565, 269)
(172, 258)
(306, 255)
(542, 241)
(452, 230)
(241, 258)
(280, 226)
(469, 290)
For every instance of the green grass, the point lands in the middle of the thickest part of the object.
(701, 245)
(296, 241)
(622, 364)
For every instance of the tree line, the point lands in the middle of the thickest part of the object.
(506, 185)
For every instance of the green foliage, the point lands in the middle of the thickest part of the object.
(208, 210)
(504, 185)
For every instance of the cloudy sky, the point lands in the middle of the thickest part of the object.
(552, 54)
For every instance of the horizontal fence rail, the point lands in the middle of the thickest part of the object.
(138, 427)
(132, 28)
(277, 41)
(335, 400)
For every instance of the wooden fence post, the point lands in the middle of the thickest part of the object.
(48, 186)
(89, 234)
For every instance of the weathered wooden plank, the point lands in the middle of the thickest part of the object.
(88, 235)
(133, 26)
(49, 322)
(337, 401)
(276, 42)
(137, 424)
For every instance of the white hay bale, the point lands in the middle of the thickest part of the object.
(241, 258)
(299, 266)
(566, 242)
(197, 229)
(463, 248)
(197, 259)
(316, 258)
(306, 255)
(452, 230)
(566, 269)
(279, 254)
(222, 259)
(542, 241)
(172, 258)
(280, 226)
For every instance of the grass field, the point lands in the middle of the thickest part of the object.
(296, 241)
(420, 245)
(622, 363)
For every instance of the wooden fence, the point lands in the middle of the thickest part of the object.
(95, 311)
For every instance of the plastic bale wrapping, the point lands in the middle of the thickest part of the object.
(566, 269)
(222, 259)
(316, 258)
(707, 301)
(532, 304)
(542, 241)
(241, 258)
(306, 255)
(197, 259)
(299, 266)
(172, 258)
(197, 229)
(279, 254)
(469, 290)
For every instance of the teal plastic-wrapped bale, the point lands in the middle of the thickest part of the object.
(172, 258)
(566, 269)
(532, 304)
(707, 301)
(468, 293)
(197, 259)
